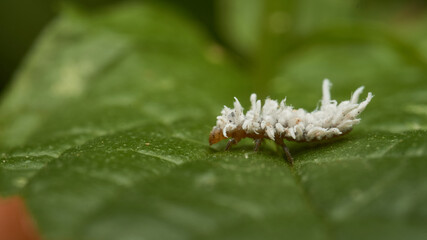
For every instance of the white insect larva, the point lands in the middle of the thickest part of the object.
(278, 121)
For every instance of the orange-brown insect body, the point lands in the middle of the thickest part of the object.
(280, 121)
(238, 134)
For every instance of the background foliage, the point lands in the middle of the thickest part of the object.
(104, 128)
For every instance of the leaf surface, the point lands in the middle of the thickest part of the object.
(105, 132)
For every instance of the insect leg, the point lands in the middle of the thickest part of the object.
(257, 144)
(230, 142)
(288, 155)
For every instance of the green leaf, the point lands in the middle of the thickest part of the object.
(104, 133)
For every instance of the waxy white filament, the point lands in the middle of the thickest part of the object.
(274, 119)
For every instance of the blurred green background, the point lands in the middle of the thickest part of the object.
(21, 21)
(104, 129)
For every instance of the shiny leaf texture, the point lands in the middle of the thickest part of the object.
(104, 132)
